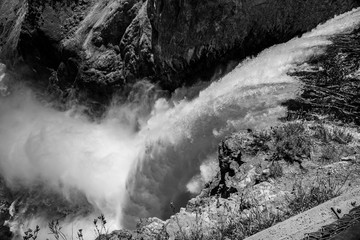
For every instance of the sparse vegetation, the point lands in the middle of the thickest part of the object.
(233, 225)
(55, 230)
(276, 170)
(329, 154)
(341, 136)
(100, 229)
(296, 141)
(255, 218)
(100, 226)
(321, 133)
(335, 134)
(291, 142)
(260, 142)
(306, 197)
(31, 234)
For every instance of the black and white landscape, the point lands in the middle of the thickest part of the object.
(174, 119)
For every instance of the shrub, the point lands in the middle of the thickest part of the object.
(254, 218)
(329, 154)
(55, 230)
(291, 142)
(321, 133)
(30, 234)
(276, 170)
(341, 136)
(336, 134)
(260, 142)
(235, 224)
(305, 198)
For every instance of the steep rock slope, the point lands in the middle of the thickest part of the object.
(191, 37)
(103, 46)
(264, 177)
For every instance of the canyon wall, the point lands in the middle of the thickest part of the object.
(105, 46)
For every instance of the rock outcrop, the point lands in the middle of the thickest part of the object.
(104, 46)
(258, 190)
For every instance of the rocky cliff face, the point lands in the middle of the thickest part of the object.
(104, 46)
(191, 37)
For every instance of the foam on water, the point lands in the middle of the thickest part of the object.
(133, 164)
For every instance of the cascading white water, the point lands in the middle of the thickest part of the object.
(132, 164)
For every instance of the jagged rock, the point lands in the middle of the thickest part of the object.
(152, 228)
(229, 161)
(232, 178)
(119, 235)
(246, 180)
(228, 155)
(266, 194)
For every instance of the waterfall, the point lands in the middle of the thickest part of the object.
(146, 153)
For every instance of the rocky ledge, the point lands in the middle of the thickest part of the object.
(104, 46)
(264, 178)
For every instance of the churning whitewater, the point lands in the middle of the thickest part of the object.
(139, 158)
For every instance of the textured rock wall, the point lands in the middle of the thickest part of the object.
(193, 36)
(12, 14)
(103, 46)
